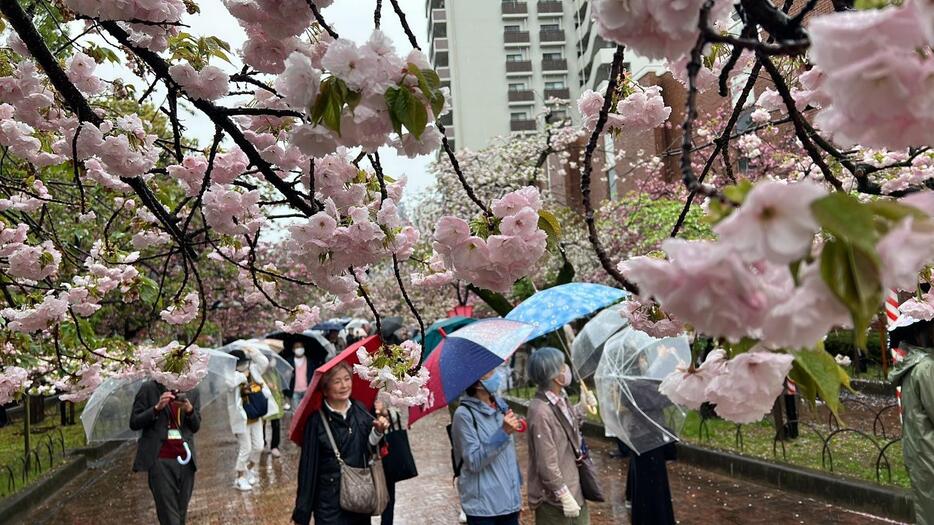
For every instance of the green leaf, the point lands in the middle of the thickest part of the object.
(566, 274)
(330, 103)
(392, 95)
(893, 211)
(744, 345)
(736, 193)
(550, 225)
(494, 300)
(148, 290)
(817, 374)
(846, 218)
(852, 274)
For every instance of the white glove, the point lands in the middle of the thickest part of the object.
(589, 399)
(569, 505)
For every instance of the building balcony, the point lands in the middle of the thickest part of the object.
(551, 35)
(524, 95)
(440, 44)
(551, 64)
(438, 15)
(447, 120)
(516, 37)
(522, 125)
(515, 8)
(524, 66)
(550, 6)
(444, 73)
(562, 93)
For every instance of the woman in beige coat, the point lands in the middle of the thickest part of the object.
(554, 483)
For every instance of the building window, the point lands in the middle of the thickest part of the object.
(519, 86)
(512, 28)
(552, 56)
(519, 115)
(515, 57)
(555, 84)
(550, 27)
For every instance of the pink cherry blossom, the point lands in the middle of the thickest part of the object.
(689, 388)
(878, 85)
(639, 318)
(774, 223)
(34, 263)
(904, 251)
(153, 361)
(746, 388)
(13, 381)
(644, 110)
(300, 81)
(228, 166)
(30, 320)
(184, 311)
(76, 391)
(190, 173)
(231, 212)
(920, 309)
(301, 319)
(80, 70)
(210, 83)
(655, 29)
(705, 284)
(804, 318)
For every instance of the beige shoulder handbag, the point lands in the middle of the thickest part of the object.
(363, 490)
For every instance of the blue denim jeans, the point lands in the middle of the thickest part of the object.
(506, 519)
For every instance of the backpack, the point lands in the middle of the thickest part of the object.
(255, 403)
(458, 463)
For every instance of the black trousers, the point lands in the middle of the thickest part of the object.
(171, 485)
(388, 514)
(647, 485)
(276, 437)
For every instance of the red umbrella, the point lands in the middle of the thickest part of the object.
(362, 392)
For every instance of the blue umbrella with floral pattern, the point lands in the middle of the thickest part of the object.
(555, 307)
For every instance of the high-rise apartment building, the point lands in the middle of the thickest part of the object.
(476, 44)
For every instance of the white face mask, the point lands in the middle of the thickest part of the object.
(566, 377)
(299, 352)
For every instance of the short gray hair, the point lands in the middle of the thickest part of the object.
(544, 365)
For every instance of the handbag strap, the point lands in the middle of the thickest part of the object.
(577, 453)
(327, 428)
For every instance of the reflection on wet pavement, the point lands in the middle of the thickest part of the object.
(112, 494)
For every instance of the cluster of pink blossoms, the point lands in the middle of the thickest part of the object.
(743, 388)
(80, 389)
(389, 370)
(643, 318)
(272, 28)
(643, 110)
(357, 227)
(741, 286)
(876, 66)
(506, 255)
(13, 381)
(182, 312)
(153, 36)
(210, 83)
(152, 364)
(654, 28)
(368, 70)
(302, 318)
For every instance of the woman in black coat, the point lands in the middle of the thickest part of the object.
(357, 435)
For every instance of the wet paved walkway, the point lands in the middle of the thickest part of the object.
(112, 494)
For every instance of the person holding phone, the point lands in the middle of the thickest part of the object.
(490, 480)
(166, 447)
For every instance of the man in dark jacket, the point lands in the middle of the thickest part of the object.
(166, 448)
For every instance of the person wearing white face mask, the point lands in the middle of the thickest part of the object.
(301, 377)
(555, 491)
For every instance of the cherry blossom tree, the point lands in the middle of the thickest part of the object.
(109, 205)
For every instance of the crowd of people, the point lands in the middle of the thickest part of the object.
(344, 435)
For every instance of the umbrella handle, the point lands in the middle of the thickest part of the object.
(187, 458)
(585, 391)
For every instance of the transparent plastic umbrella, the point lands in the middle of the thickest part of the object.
(282, 366)
(587, 347)
(627, 378)
(106, 416)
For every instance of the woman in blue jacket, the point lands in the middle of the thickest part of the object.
(490, 480)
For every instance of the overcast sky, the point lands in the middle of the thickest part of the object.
(351, 19)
